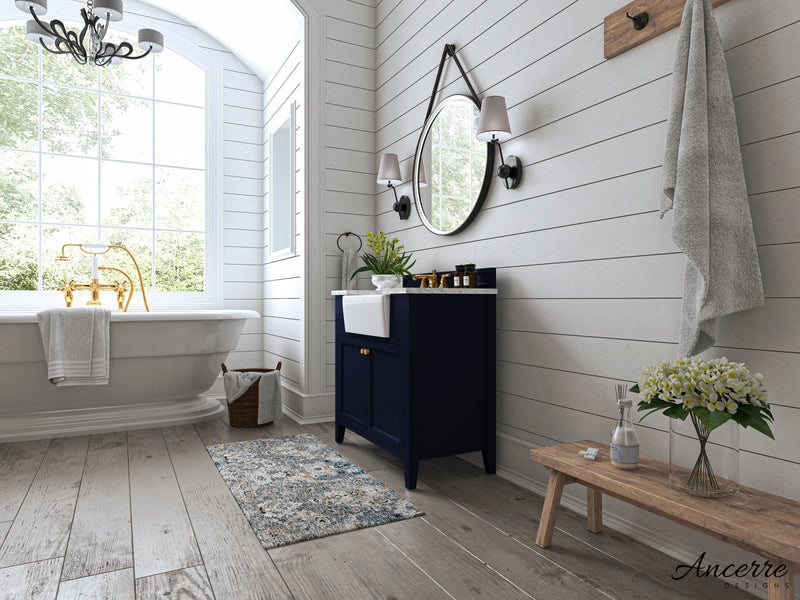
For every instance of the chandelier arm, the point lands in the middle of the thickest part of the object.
(129, 52)
(46, 26)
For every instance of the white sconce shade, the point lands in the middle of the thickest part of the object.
(493, 122)
(423, 180)
(150, 38)
(34, 33)
(389, 170)
(112, 8)
(39, 6)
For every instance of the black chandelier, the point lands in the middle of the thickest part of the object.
(57, 39)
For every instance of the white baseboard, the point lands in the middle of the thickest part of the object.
(307, 408)
(673, 546)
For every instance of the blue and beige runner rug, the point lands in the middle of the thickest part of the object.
(295, 488)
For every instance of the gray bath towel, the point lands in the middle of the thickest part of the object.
(269, 391)
(704, 183)
(348, 268)
(76, 345)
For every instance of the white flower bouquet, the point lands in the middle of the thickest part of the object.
(709, 392)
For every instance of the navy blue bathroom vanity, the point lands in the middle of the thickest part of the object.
(428, 389)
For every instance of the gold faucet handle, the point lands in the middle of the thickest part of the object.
(442, 283)
(425, 279)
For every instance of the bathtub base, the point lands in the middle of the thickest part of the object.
(80, 421)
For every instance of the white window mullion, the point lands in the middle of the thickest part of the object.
(99, 159)
(40, 269)
(153, 191)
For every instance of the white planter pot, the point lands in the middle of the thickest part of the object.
(386, 281)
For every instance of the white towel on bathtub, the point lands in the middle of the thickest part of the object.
(76, 345)
(269, 391)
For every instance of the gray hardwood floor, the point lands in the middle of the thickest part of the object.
(144, 514)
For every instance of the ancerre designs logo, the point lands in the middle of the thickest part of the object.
(740, 571)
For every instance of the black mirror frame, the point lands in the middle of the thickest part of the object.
(487, 175)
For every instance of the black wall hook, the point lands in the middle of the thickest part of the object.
(639, 21)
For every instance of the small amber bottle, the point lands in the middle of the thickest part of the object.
(458, 277)
(470, 277)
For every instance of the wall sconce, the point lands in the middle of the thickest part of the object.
(493, 127)
(388, 175)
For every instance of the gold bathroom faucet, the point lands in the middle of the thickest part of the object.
(428, 279)
(121, 289)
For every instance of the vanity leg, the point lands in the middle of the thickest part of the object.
(489, 462)
(339, 435)
(412, 470)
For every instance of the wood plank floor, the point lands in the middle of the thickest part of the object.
(144, 515)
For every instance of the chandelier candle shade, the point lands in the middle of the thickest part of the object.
(57, 39)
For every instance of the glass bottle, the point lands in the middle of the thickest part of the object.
(457, 278)
(624, 441)
(470, 277)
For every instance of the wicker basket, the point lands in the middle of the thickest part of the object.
(244, 412)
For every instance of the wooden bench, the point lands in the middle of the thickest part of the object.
(762, 523)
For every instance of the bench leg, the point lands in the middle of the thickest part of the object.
(782, 588)
(594, 510)
(552, 499)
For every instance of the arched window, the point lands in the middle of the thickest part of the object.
(115, 155)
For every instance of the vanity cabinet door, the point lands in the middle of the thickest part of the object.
(388, 394)
(355, 384)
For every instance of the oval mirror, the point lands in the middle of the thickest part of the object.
(452, 169)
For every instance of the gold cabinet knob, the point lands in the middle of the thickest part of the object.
(366, 351)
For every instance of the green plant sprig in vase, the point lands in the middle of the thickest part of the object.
(387, 257)
(710, 393)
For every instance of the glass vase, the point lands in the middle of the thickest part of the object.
(704, 463)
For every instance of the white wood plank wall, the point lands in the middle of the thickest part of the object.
(590, 282)
(242, 122)
(349, 138)
(282, 288)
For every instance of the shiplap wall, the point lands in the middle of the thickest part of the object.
(349, 143)
(589, 280)
(284, 313)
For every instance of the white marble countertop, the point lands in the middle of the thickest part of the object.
(405, 290)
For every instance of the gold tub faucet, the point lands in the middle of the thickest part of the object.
(95, 287)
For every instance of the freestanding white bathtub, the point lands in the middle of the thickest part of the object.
(160, 364)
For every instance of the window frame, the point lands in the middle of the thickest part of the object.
(286, 114)
(212, 294)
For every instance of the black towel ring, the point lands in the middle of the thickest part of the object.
(360, 242)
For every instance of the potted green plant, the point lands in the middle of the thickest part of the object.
(700, 397)
(387, 261)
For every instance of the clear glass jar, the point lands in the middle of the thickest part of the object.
(704, 463)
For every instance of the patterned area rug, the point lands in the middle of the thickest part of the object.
(296, 488)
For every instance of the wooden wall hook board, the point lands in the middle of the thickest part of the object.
(662, 15)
